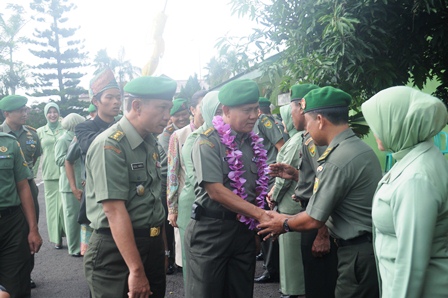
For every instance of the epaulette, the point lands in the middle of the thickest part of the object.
(308, 141)
(31, 128)
(326, 153)
(209, 131)
(170, 129)
(117, 135)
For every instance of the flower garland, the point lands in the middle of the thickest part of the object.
(233, 157)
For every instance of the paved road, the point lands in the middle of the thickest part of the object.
(57, 274)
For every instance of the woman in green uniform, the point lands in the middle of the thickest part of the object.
(48, 134)
(292, 281)
(70, 204)
(210, 108)
(410, 206)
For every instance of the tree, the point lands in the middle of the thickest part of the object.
(13, 76)
(62, 53)
(361, 47)
(123, 69)
(190, 88)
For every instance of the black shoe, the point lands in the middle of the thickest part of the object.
(259, 257)
(265, 278)
(77, 255)
(289, 296)
(58, 246)
(32, 284)
(170, 269)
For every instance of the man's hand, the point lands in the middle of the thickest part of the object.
(271, 203)
(284, 171)
(138, 285)
(172, 219)
(321, 244)
(77, 193)
(272, 226)
(34, 241)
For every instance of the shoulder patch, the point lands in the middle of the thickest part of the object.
(267, 123)
(312, 149)
(209, 131)
(316, 185)
(109, 147)
(206, 142)
(31, 128)
(117, 135)
(325, 154)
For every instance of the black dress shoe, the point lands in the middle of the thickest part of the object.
(32, 284)
(77, 255)
(58, 246)
(259, 257)
(171, 269)
(265, 278)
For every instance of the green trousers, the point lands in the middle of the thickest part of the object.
(106, 271)
(357, 272)
(53, 208)
(70, 207)
(220, 257)
(15, 255)
(292, 280)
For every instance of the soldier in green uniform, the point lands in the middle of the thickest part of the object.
(16, 113)
(229, 163)
(273, 141)
(346, 179)
(126, 250)
(19, 235)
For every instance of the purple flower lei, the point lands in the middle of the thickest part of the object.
(236, 165)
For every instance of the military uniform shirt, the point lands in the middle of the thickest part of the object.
(346, 179)
(164, 137)
(119, 161)
(268, 130)
(308, 164)
(13, 169)
(210, 165)
(28, 140)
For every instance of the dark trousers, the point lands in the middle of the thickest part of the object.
(15, 255)
(320, 272)
(107, 273)
(357, 272)
(221, 259)
(271, 258)
(35, 194)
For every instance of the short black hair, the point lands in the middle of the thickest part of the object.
(336, 116)
(265, 110)
(196, 97)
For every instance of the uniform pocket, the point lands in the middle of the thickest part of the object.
(6, 162)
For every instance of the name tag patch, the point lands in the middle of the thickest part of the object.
(137, 166)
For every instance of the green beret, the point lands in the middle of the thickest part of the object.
(239, 92)
(91, 108)
(324, 98)
(264, 102)
(179, 104)
(149, 87)
(12, 102)
(104, 80)
(300, 90)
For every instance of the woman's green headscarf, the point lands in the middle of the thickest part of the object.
(210, 104)
(46, 108)
(71, 120)
(285, 113)
(401, 117)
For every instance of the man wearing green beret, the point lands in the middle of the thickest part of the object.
(273, 141)
(16, 114)
(92, 111)
(231, 184)
(19, 233)
(345, 182)
(126, 251)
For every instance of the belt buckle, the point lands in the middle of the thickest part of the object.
(154, 232)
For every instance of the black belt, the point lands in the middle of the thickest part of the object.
(152, 232)
(219, 214)
(8, 211)
(367, 237)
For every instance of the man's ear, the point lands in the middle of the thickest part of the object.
(137, 105)
(322, 121)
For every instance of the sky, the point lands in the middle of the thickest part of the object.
(191, 31)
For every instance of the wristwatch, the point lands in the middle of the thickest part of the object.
(167, 253)
(286, 226)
